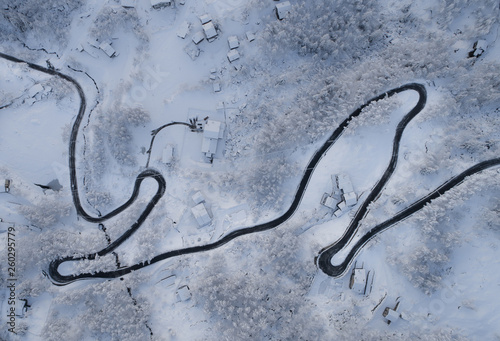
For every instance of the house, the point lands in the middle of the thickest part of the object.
(198, 198)
(168, 281)
(106, 47)
(250, 36)
(168, 155)
(212, 133)
(159, 4)
(183, 294)
(210, 31)
(346, 189)
(205, 18)
(201, 215)
(128, 3)
(350, 199)
(216, 87)
(344, 183)
(358, 280)
(328, 201)
(361, 281)
(233, 55)
(392, 315)
(183, 30)
(283, 9)
(233, 42)
(198, 37)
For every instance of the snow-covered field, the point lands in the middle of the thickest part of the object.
(294, 82)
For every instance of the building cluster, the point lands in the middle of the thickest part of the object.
(209, 30)
(200, 211)
(342, 198)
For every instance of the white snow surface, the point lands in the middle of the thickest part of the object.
(442, 264)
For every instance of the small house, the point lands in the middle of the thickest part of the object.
(213, 130)
(212, 133)
(350, 199)
(159, 4)
(128, 3)
(210, 31)
(250, 36)
(168, 281)
(198, 198)
(233, 55)
(233, 42)
(358, 280)
(344, 183)
(198, 37)
(216, 87)
(201, 215)
(328, 201)
(205, 18)
(391, 315)
(183, 294)
(106, 47)
(183, 30)
(283, 9)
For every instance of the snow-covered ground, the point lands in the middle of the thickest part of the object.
(295, 80)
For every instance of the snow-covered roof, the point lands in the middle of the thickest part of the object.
(183, 30)
(391, 315)
(106, 47)
(205, 18)
(283, 9)
(358, 281)
(250, 36)
(209, 30)
(168, 154)
(216, 87)
(350, 199)
(328, 201)
(233, 42)
(201, 215)
(157, 4)
(342, 206)
(233, 55)
(168, 281)
(198, 37)
(338, 213)
(209, 146)
(344, 183)
(198, 198)
(183, 293)
(213, 129)
(128, 3)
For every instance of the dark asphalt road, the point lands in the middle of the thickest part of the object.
(324, 259)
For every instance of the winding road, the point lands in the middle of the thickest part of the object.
(325, 256)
